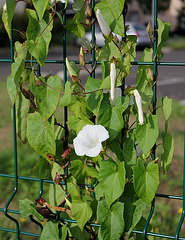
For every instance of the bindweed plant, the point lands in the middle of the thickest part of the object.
(102, 160)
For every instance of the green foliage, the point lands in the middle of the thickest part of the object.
(112, 180)
(146, 180)
(27, 208)
(111, 220)
(112, 12)
(41, 134)
(123, 179)
(147, 134)
(47, 96)
(50, 231)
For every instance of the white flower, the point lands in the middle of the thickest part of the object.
(102, 23)
(4, 7)
(139, 106)
(89, 139)
(112, 79)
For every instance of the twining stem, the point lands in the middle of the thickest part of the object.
(47, 84)
(54, 11)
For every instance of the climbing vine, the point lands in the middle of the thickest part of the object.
(104, 167)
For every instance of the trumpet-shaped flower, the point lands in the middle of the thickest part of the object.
(89, 140)
(102, 23)
(112, 79)
(139, 106)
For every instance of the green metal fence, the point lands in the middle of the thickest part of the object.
(9, 213)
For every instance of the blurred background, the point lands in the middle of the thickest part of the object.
(171, 83)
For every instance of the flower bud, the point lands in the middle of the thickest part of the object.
(116, 40)
(149, 28)
(75, 79)
(88, 11)
(88, 21)
(139, 106)
(81, 57)
(102, 23)
(112, 79)
(4, 8)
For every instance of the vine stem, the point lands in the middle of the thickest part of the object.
(47, 84)
(49, 22)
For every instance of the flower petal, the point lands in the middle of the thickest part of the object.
(89, 139)
(139, 106)
(102, 23)
(95, 151)
(113, 79)
(79, 147)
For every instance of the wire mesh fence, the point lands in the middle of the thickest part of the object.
(11, 214)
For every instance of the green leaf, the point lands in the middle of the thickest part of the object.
(7, 15)
(77, 170)
(41, 135)
(167, 156)
(73, 188)
(47, 97)
(64, 232)
(77, 123)
(37, 50)
(13, 79)
(140, 206)
(66, 98)
(20, 51)
(146, 180)
(98, 192)
(76, 28)
(128, 198)
(78, 5)
(143, 82)
(125, 65)
(72, 68)
(111, 117)
(40, 7)
(50, 231)
(22, 108)
(129, 154)
(56, 168)
(56, 195)
(27, 208)
(80, 107)
(111, 50)
(75, 232)
(147, 134)
(112, 12)
(92, 172)
(140, 226)
(112, 180)
(111, 220)
(163, 33)
(115, 147)
(81, 211)
(167, 107)
(93, 98)
(41, 27)
(130, 46)
(42, 169)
